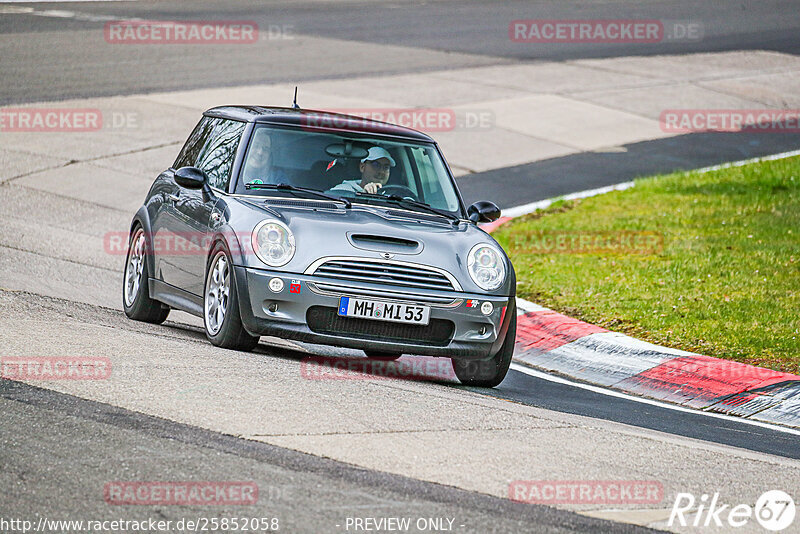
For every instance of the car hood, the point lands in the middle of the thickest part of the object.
(374, 232)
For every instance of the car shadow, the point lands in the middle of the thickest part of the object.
(317, 363)
(322, 362)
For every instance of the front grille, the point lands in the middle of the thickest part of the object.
(325, 320)
(338, 290)
(395, 274)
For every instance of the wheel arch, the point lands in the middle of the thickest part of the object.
(142, 218)
(235, 244)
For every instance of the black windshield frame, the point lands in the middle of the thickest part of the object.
(237, 187)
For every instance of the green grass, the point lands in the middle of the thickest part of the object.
(725, 283)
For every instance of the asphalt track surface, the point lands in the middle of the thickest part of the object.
(520, 387)
(43, 477)
(47, 56)
(38, 467)
(554, 177)
(68, 51)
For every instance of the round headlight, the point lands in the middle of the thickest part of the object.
(273, 243)
(486, 267)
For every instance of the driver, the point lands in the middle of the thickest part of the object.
(374, 173)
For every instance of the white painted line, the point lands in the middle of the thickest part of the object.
(524, 209)
(58, 13)
(7, 10)
(55, 13)
(525, 306)
(542, 204)
(60, 1)
(782, 155)
(620, 395)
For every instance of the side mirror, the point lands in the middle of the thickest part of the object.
(190, 178)
(483, 211)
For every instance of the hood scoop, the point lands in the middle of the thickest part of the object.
(383, 243)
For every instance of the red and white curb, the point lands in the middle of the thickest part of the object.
(559, 344)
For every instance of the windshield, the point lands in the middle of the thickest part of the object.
(345, 165)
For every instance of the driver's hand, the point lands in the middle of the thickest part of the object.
(372, 187)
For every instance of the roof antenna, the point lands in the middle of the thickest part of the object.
(294, 102)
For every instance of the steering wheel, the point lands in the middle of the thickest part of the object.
(398, 190)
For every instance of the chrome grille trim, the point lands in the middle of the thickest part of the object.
(383, 272)
(334, 290)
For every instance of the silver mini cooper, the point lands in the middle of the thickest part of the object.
(323, 228)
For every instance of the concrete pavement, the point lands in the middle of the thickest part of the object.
(301, 492)
(536, 111)
(64, 191)
(304, 40)
(423, 430)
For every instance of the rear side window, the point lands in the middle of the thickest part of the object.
(194, 144)
(217, 155)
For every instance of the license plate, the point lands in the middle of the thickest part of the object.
(384, 311)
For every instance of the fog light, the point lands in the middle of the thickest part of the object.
(486, 308)
(273, 307)
(276, 285)
(482, 331)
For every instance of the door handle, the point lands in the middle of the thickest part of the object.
(173, 198)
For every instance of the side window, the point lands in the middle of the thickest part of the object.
(194, 144)
(216, 157)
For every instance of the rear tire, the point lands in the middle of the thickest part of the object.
(221, 315)
(136, 299)
(489, 373)
(380, 355)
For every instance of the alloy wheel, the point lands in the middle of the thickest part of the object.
(217, 293)
(133, 269)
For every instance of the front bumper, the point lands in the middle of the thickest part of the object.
(302, 311)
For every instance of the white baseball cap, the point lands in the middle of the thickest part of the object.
(377, 152)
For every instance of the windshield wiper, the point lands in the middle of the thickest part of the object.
(295, 189)
(413, 203)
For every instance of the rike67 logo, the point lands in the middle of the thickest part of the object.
(774, 511)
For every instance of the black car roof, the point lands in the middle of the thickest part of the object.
(314, 119)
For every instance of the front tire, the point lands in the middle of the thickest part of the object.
(136, 299)
(489, 373)
(221, 314)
